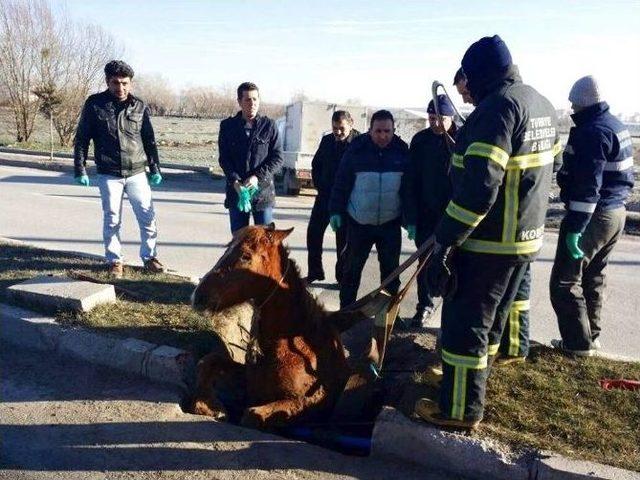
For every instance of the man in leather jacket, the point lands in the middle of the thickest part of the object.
(124, 146)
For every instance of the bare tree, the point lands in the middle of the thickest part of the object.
(157, 94)
(20, 25)
(206, 102)
(46, 51)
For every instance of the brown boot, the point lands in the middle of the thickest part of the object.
(429, 411)
(153, 265)
(116, 270)
(504, 360)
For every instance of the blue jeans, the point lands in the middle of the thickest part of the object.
(240, 219)
(112, 190)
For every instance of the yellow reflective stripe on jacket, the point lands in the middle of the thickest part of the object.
(492, 152)
(463, 215)
(531, 160)
(511, 201)
(502, 248)
(521, 305)
(493, 349)
(477, 363)
(457, 160)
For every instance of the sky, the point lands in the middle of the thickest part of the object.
(383, 53)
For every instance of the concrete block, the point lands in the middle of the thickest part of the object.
(130, 355)
(550, 466)
(170, 365)
(397, 437)
(28, 329)
(61, 293)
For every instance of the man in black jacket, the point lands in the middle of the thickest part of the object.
(323, 171)
(250, 155)
(124, 143)
(429, 188)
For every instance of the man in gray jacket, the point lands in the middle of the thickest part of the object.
(124, 144)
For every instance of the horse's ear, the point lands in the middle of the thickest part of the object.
(277, 236)
(271, 226)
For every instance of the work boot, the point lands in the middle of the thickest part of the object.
(153, 265)
(432, 376)
(313, 277)
(429, 411)
(504, 360)
(422, 316)
(559, 345)
(116, 270)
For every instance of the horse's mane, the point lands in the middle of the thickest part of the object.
(310, 310)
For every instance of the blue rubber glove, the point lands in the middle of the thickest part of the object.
(155, 179)
(244, 200)
(572, 241)
(335, 221)
(411, 232)
(82, 180)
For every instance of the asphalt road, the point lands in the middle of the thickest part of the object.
(46, 209)
(63, 420)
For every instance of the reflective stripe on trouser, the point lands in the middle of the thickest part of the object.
(112, 190)
(514, 341)
(467, 319)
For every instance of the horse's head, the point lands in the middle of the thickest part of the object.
(251, 267)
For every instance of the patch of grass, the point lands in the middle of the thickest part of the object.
(555, 403)
(155, 308)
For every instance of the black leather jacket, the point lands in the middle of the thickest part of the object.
(123, 138)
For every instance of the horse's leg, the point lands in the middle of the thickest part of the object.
(209, 370)
(284, 412)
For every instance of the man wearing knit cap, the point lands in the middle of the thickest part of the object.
(493, 226)
(595, 180)
(429, 188)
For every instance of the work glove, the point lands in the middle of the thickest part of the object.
(82, 180)
(155, 179)
(252, 191)
(440, 276)
(572, 240)
(244, 200)
(411, 231)
(335, 221)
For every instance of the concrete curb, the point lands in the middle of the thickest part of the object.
(160, 363)
(398, 438)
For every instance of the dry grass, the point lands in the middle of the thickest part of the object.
(555, 403)
(152, 307)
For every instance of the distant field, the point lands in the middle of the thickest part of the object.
(188, 141)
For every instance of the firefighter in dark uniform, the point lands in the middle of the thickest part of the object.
(493, 226)
(323, 171)
(595, 181)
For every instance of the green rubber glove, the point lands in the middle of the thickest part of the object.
(411, 232)
(82, 180)
(252, 190)
(244, 200)
(155, 179)
(335, 221)
(572, 241)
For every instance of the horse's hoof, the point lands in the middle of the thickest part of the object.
(253, 418)
(210, 408)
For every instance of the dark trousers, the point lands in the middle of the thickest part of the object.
(360, 238)
(577, 286)
(315, 236)
(514, 341)
(425, 299)
(486, 289)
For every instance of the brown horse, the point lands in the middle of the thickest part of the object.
(300, 369)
